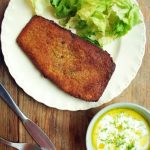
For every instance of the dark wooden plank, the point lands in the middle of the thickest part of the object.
(8, 120)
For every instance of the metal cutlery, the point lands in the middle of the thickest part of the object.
(20, 146)
(36, 133)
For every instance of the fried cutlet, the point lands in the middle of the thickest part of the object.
(75, 65)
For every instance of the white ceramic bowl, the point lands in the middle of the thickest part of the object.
(139, 109)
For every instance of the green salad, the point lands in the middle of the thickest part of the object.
(99, 21)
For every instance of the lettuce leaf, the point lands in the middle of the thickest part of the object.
(106, 20)
(39, 6)
(66, 8)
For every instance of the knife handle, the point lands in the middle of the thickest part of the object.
(10, 102)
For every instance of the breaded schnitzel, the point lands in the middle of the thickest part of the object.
(74, 64)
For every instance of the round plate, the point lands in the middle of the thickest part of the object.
(127, 54)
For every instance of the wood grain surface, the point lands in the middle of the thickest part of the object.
(66, 129)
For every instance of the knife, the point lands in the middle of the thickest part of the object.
(36, 133)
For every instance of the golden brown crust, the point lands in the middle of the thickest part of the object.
(75, 65)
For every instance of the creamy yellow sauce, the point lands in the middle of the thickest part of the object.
(121, 129)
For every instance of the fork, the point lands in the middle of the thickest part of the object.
(20, 146)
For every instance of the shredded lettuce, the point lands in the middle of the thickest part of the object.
(66, 8)
(99, 21)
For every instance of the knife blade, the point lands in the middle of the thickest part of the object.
(38, 135)
(35, 131)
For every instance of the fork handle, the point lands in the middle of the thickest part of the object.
(18, 146)
(10, 102)
(5, 142)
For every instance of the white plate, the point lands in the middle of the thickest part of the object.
(127, 53)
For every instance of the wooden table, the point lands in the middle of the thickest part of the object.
(66, 129)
